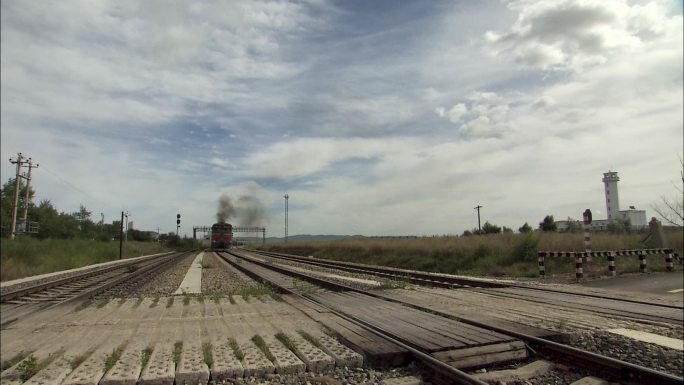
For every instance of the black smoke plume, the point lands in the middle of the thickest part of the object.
(246, 210)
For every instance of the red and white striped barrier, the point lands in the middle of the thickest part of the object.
(670, 255)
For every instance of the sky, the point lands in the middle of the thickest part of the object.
(375, 117)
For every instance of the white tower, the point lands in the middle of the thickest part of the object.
(610, 179)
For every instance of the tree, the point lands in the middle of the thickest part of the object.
(671, 209)
(525, 229)
(507, 230)
(7, 200)
(620, 226)
(467, 233)
(489, 228)
(549, 224)
(574, 226)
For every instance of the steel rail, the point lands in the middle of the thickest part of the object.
(619, 370)
(440, 280)
(87, 291)
(451, 372)
(13, 294)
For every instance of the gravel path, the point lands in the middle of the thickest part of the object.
(339, 376)
(160, 284)
(220, 278)
(626, 349)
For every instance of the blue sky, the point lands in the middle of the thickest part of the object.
(384, 117)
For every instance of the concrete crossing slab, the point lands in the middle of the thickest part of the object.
(192, 283)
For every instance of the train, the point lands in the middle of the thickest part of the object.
(221, 235)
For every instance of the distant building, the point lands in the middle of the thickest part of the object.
(636, 217)
(610, 180)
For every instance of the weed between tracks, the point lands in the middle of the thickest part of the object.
(155, 301)
(28, 368)
(208, 356)
(177, 350)
(169, 302)
(261, 344)
(236, 349)
(397, 283)
(146, 354)
(282, 337)
(138, 302)
(78, 360)
(312, 340)
(111, 359)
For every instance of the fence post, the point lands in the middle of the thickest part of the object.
(669, 260)
(611, 263)
(587, 235)
(542, 269)
(642, 262)
(578, 265)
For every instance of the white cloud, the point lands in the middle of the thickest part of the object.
(578, 34)
(457, 112)
(487, 116)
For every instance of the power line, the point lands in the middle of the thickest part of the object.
(66, 182)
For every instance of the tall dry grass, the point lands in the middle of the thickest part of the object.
(24, 256)
(488, 255)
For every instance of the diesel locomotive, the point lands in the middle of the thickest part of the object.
(221, 235)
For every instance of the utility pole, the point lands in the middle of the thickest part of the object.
(287, 198)
(17, 186)
(121, 236)
(479, 227)
(126, 235)
(26, 198)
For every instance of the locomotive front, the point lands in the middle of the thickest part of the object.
(221, 235)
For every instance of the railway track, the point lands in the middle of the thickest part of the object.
(606, 367)
(657, 312)
(18, 303)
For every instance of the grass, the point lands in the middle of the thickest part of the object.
(78, 360)
(146, 354)
(29, 365)
(26, 256)
(285, 340)
(236, 349)
(111, 359)
(28, 368)
(208, 356)
(508, 254)
(138, 302)
(312, 340)
(397, 283)
(155, 301)
(261, 344)
(177, 350)
(251, 289)
(169, 302)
